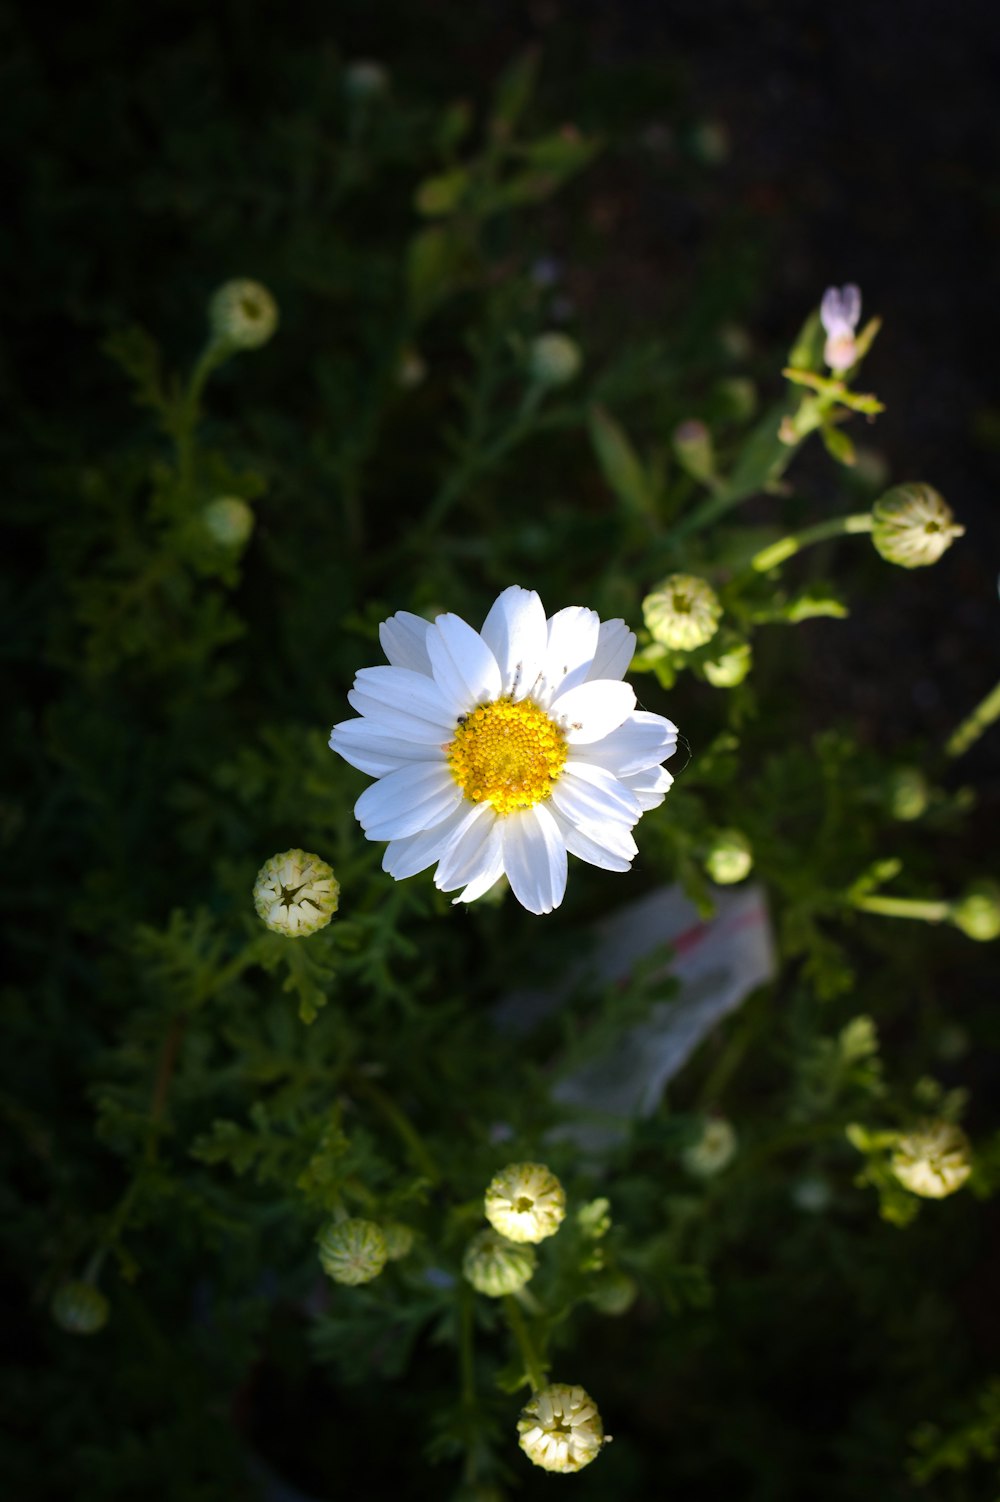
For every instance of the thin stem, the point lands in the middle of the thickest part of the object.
(534, 1368)
(211, 356)
(466, 1331)
(401, 1124)
(981, 718)
(838, 526)
(925, 910)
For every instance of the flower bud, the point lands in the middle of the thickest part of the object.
(79, 1308)
(242, 314)
(399, 1240)
(411, 368)
(731, 666)
(296, 894)
(909, 793)
(365, 79)
(497, 1266)
(683, 612)
(554, 360)
(913, 525)
(977, 911)
(730, 858)
(839, 313)
(614, 1292)
(352, 1251)
(560, 1428)
(525, 1202)
(228, 520)
(811, 1194)
(694, 450)
(712, 1151)
(932, 1161)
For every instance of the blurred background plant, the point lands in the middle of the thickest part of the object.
(398, 334)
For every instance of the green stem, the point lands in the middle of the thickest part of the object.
(534, 1368)
(981, 718)
(211, 356)
(466, 1331)
(401, 1124)
(482, 459)
(838, 526)
(924, 910)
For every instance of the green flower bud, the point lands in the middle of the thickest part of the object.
(496, 1266)
(525, 1202)
(366, 79)
(909, 793)
(812, 1194)
(228, 520)
(411, 368)
(79, 1308)
(694, 450)
(683, 612)
(614, 1292)
(932, 1161)
(730, 667)
(296, 894)
(730, 858)
(913, 525)
(554, 360)
(713, 1150)
(398, 1240)
(977, 911)
(242, 314)
(352, 1251)
(560, 1428)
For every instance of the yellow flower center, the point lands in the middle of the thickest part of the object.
(507, 754)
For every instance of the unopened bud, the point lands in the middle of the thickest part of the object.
(554, 360)
(497, 1266)
(912, 525)
(693, 447)
(683, 612)
(296, 894)
(525, 1202)
(730, 858)
(228, 520)
(242, 314)
(352, 1251)
(839, 313)
(977, 912)
(713, 1150)
(399, 1240)
(909, 793)
(614, 1292)
(731, 666)
(365, 79)
(560, 1428)
(932, 1161)
(79, 1308)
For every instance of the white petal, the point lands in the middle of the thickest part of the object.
(649, 787)
(491, 872)
(394, 723)
(831, 313)
(464, 667)
(415, 852)
(573, 635)
(357, 743)
(416, 797)
(590, 711)
(642, 740)
(412, 693)
(404, 641)
(592, 795)
(850, 305)
(615, 650)
(473, 852)
(516, 632)
(611, 846)
(534, 858)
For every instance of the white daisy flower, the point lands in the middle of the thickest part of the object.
(498, 751)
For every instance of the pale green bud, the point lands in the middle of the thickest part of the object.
(228, 520)
(525, 1202)
(913, 525)
(560, 1428)
(694, 449)
(977, 912)
(682, 613)
(242, 314)
(812, 1194)
(365, 79)
(614, 1292)
(411, 369)
(554, 360)
(932, 1161)
(352, 1251)
(399, 1240)
(713, 1150)
(79, 1308)
(730, 858)
(296, 894)
(730, 667)
(497, 1266)
(594, 1218)
(909, 793)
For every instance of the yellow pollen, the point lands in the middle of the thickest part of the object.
(507, 754)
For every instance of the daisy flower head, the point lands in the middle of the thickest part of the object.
(501, 751)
